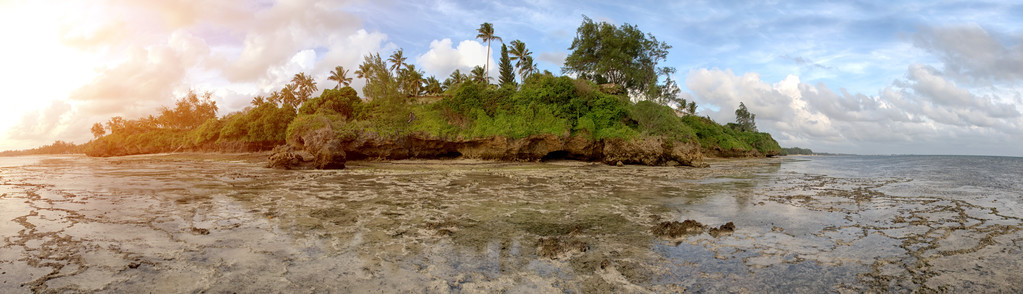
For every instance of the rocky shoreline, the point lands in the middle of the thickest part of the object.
(322, 149)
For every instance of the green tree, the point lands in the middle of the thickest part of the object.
(344, 101)
(745, 120)
(605, 53)
(98, 130)
(411, 80)
(528, 68)
(188, 113)
(456, 78)
(305, 86)
(363, 71)
(397, 60)
(479, 75)
(507, 73)
(286, 96)
(116, 125)
(340, 75)
(486, 33)
(433, 86)
(379, 81)
(519, 54)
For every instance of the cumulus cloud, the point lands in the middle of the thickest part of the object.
(924, 108)
(971, 54)
(278, 32)
(443, 58)
(348, 51)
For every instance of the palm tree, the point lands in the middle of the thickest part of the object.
(457, 76)
(411, 80)
(304, 86)
(479, 74)
(286, 96)
(397, 60)
(433, 86)
(340, 74)
(519, 53)
(486, 33)
(528, 67)
(363, 71)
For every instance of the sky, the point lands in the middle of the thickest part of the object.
(863, 77)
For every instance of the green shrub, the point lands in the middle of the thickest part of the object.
(659, 120)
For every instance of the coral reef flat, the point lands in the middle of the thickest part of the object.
(224, 223)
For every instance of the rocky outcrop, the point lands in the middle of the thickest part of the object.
(326, 148)
(330, 152)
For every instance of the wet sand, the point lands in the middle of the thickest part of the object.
(222, 223)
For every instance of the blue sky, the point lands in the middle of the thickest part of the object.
(869, 77)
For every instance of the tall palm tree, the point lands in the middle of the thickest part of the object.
(486, 33)
(528, 67)
(305, 86)
(397, 60)
(519, 54)
(340, 74)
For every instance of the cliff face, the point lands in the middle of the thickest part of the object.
(317, 150)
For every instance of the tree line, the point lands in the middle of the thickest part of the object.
(617, 92)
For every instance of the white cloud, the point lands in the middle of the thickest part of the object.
(348, 51)
(971, 54)
(442, 58)
(923, 109)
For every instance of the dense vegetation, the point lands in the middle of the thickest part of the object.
(796, 151)
(58, 147)
(399, 101)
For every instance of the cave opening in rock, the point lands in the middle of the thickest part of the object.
(557, 155)
(449, 155)
(354, 155)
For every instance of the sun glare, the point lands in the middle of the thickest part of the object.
(35, 61)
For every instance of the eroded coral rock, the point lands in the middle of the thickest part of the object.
(284, 157)
(675, 229)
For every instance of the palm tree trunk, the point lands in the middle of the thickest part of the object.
(486, 68)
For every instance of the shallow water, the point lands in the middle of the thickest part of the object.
(220, 223)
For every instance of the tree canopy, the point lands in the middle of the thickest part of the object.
(486, 33)
(507, 72)
(625, 56)
(744, 119)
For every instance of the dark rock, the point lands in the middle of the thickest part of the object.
(723, 230)
(200, 231)
(555, 247)
(675, 229)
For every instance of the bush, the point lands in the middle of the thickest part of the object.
(659, 120)
(345, 102)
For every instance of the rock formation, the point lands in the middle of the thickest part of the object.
(330, 152)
